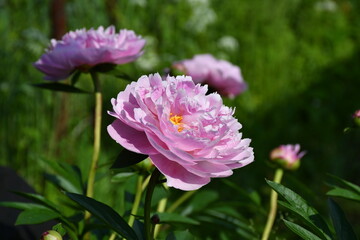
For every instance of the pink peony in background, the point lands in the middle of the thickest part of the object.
(189, 136)
(83, 49)
(222, 76)
(288, 156)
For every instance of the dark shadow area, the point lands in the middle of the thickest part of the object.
(10, 181)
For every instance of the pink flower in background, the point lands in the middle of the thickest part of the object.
(356, 117)
(83, 49)
(287, 156)
(220, 75)
(356, 114)
(189, 136)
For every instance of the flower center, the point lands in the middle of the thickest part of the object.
(176, 120)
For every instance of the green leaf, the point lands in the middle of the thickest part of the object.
(112, 69)
(122, 177)
(62, 183)
(59, 87)
(21, 205)
(38, 199)
(59, 228)
(68, 176)
(75, 78)
(298, 205)
(348, 184)
(253, 196)
(127, 158)
(342, 227)
(106, 214)
(36, 215)
(344, 193)
(176, 218)
(300, 231)
(180, 235)
(202, 200)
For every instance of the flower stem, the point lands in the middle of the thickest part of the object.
(97, 137)
(147, 209)
(273, 206)
(161, 208)
(136, 204)
(180, 200)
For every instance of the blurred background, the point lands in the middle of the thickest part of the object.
(300, 58)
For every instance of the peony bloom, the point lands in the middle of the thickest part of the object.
(83, 49)
(189, 136)
(220, 75)
(287, 156)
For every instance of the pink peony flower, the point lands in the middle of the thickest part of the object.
(83, 49)
(220, 75)
(287, 156)
(189, 136)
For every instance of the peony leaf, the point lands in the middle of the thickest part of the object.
(68, 176)
(175, 218)
(180, 235)
(59, 87)
(300, 231)
(36, 215)
(298, 205)
(348, 184)
(62, 183)
(106, 214)
(75, 78)
(127, 158)
(38, 199)
(21, 205)
(344, 193)
(112, 69)
(121, 177)
(343, 229)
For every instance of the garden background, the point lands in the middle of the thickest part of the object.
(300, 59)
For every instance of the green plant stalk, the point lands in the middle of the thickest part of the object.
(180, 201)
(147, 209)
(273, 205)
(161, 208)
(137, 200)
(97, 139)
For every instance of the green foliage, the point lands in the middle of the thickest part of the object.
(309, 216)
(106, 214)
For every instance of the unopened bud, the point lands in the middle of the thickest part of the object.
(287, 156)
(155, 219)
(356, 117)
(51, 235)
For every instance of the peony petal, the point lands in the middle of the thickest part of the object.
(177, 176)
(130, 138)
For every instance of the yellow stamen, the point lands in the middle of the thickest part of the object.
(176, 120)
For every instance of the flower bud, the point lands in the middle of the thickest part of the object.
(155, 219)
(51, 235)
(287, 156)
(356, 117)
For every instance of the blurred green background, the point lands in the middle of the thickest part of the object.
(300, 58)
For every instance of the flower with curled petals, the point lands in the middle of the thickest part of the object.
(287, 156)
(189, 136)
(83, 49)
(220, 75)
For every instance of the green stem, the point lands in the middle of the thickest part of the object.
(147, 209)
(136, 204)
(161, 208)
(97, 137)
(180, 201)
(273, 206)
